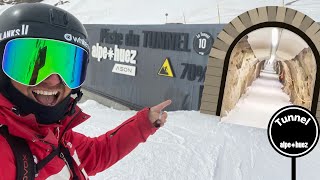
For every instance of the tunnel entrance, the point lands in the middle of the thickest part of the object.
(269, 68)
(244, 54)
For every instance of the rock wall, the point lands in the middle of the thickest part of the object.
(299, 77)
(243, 69)
(259, 67)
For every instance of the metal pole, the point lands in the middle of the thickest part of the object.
(218, 12)
(166, 17)
(293, 168)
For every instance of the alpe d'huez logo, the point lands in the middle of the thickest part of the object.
(117, 54)
(15, 32)
(70, 37)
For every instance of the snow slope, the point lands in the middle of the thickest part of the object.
(197, 146)
(179, 11)
(262, 99)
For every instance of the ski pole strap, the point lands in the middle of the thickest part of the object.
(25, 168)
(47, 159)
(69, 160)
(57, 152)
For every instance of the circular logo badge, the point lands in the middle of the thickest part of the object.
(293, 131)
(202, 43)
(68, 37)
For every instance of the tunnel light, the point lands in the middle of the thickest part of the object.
(271, 59)
(275, 37)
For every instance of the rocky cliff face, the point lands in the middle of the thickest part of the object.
(299, 77)
(243, 69)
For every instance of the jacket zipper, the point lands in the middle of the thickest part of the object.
(68, 125)
(61, 155)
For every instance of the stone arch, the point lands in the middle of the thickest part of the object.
(269, 16)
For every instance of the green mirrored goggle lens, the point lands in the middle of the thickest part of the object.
(29, 61)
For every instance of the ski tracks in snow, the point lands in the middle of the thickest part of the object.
(261, 100)
(190, 146)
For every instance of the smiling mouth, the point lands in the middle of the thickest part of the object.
(47, 98)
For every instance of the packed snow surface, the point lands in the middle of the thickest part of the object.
(262, 99)
(197, 146)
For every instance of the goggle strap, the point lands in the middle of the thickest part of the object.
(74, 103)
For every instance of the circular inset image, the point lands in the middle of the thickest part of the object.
(202, 43)
(293, 131)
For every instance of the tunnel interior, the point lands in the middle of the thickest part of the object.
(270, 53)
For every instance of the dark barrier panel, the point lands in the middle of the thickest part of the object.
(142, 65)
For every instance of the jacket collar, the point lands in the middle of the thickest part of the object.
(28, 128)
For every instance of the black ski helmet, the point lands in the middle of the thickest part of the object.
(38, 20)
(42, 21)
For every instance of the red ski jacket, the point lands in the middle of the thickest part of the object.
(91, 155)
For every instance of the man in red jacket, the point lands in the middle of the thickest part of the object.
(45, 55)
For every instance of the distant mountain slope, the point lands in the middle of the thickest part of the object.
(168, 11)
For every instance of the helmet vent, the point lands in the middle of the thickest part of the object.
(59, 18)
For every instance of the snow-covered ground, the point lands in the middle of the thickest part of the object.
(197, 146)
(179, 11)
(262, 99)
(194, 146)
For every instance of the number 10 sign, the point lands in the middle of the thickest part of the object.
(202, 43)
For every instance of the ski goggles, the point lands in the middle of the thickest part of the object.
(29, 61)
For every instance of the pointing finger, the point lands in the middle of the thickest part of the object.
(161, 106)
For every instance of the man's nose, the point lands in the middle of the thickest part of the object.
(52, 80)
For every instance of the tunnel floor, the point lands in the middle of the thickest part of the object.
(262, 99)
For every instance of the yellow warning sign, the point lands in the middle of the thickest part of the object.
(166, 69)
